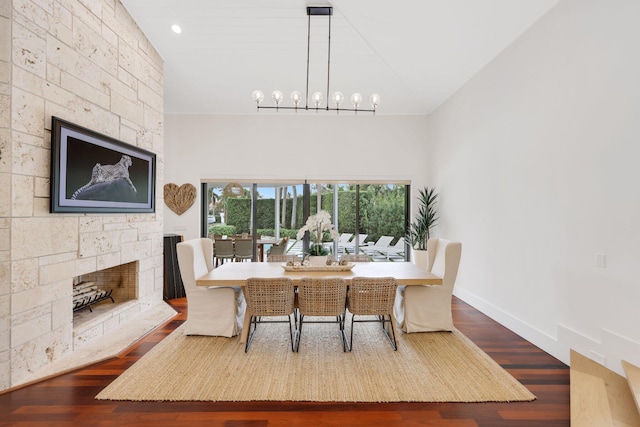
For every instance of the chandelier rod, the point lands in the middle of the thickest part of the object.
(306, 98)
(329, 63)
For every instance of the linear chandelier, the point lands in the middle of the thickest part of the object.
(316, 97)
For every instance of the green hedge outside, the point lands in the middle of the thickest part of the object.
(380, 214)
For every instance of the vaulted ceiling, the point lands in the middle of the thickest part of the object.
(413, 53)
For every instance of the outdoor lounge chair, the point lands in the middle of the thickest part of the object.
(350, 247)
(394, 251)
(382, 243)
(278, 248)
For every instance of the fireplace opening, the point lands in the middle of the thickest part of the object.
(86, 294)
(115, 284)
(103, 300)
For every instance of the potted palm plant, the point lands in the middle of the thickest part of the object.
(420, 229)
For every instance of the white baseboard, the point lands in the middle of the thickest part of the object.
(609, 351)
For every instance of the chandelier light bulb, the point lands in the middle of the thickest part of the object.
(277, 97)
(337, 98)
(356, 100)
(320, 100)
(257, 96)
(374, 100)
(296, 97)
(316, 98)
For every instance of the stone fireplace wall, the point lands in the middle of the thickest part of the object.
(85, 61)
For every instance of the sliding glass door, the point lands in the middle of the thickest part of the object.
(371, 217)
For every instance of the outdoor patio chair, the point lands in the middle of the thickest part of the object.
(393, 251)
(350, 246)
(223, 250)
(278, 248)
(345, 237)
(294, 248)
(343, 240)
(243, 249)
(382, 243)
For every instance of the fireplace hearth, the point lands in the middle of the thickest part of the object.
(103, 300)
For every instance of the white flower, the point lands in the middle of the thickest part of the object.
(316, 225)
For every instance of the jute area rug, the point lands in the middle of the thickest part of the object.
(428, 367)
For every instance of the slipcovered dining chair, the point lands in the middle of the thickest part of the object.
(373, 297)
(270, 298)
(323, 297)
(427, 308)
(214, 310)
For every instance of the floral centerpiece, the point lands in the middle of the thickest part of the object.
(316, 226)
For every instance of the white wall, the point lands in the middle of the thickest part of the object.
(536, 161)
(286, 146)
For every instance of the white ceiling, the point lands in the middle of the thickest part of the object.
(414, 53)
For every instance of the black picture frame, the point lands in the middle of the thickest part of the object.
(92, 172)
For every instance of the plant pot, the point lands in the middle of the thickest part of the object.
(419, 257)
(318, 259)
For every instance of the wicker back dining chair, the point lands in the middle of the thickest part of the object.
(373, 297)
(270, 298)
(322, 296)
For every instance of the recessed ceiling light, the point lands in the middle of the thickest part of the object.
(176, 28)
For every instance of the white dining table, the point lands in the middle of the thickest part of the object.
(237, 273)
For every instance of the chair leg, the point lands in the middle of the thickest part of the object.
(343, 336)
(393, 342)
(383, 320)
(299, 332)
(252, 320)
(351, 340)
(295, 338)
(340, 320)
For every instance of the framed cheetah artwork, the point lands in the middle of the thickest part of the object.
(92, 172)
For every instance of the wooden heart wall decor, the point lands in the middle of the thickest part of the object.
(179, 199)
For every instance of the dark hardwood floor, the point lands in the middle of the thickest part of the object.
(68, 400)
